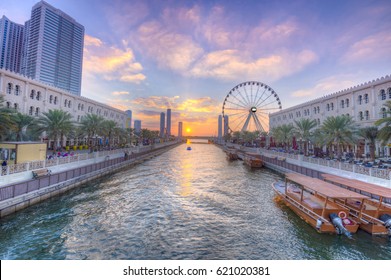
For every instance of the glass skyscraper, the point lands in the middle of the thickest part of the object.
(11, 45)
(162, 123)
(168, 126)
(54, 50)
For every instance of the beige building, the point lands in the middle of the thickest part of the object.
(364, 103)
(32, 97)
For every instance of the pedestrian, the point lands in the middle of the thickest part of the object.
(4, 168)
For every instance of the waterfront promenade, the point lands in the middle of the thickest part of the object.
(19, 190)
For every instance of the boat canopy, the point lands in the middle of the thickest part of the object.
(322, 187)
(359, 185)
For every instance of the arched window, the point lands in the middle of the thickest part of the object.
(382, 94)
(389, 93)
(360, 116)
(367, 115)
(16, 107)
(78, 107)
(383, 112)
(69, 104)
(37, 111)
(32, 94)
(38, 95)
(51, 99)
(328, 107)
(366, 99)
(332, 106)
(9, 88)
(65, 102)
(342, 103)
(347, 103)
(360, 99)
(82, 107)
(31, 110)
(17, 90)
(8, 105)
(55, 100)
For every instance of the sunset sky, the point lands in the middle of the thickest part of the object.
(147, 56)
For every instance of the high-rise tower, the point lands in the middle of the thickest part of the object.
(168, 126)
(219, 128)
(55, 48)
(11, 45)
(162, 124)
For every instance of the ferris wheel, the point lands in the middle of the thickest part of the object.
(248, 105)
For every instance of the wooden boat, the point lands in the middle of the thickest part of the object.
(231, 154)
(313, 200)
(373, 214)
(253, 160)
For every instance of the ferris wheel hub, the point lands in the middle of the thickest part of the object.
(253, 109)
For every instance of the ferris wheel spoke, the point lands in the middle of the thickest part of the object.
(264, 123)
(258, 123)
(271, 102)
(244, 104)
(235, 104)
(256, 94)
(246, 122)
(248, 98)
(269, 109)
(240, 93)
(237, 114)
(237, 122)
(263, 100)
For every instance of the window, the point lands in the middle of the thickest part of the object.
(31, 110)
(318, 109)
(359, 99)
(318, 121)
(9, 88)
(69, 104)
(16, 107)
(347, 103)
(37, 111)
(55, 100)
(17, 90)
(51, 99)
(332, 106)
(383, 112)
(342, 103)
(360, 116)
(78, 118)
(38, 95)
(367, 115)
(383, 95)
(8, 105)
(314, 110)
(389, 93)
(32, 94)
(328, 107)
(366, 98)
(78, 108)
(65, 102)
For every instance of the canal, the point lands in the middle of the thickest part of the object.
(180, 205)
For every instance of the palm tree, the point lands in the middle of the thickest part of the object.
(109, 129)
(56, 123)
(370, 133)
(385, 131)
(91, 124)
(22, 123)
(339, 130)
(6, 122)
(303, 130)
(283, 134)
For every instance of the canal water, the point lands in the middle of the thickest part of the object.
(180, 205)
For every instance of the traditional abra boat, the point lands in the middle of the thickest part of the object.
(231, 154)
(373, 214)
(253, 160)
(313, 200)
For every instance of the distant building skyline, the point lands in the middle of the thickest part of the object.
(168, 126)
(180, 130)
(137, 127)
(128, 123)
(162, 124)
(226, 125)
(220, 128)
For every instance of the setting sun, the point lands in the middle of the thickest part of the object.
(188, 130)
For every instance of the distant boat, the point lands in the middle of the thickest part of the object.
(253, 160)
(188, 148)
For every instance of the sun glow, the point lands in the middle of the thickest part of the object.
(188, 130)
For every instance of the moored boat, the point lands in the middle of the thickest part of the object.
(253, 160)
(373, 213)
(313, 200)
(231, 154)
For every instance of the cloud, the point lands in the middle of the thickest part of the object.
(120, 93)
(231, 64)
(111, 63)
(376, 46)
(326, 86)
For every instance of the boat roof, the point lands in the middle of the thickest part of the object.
(359, 185)
(322, 187)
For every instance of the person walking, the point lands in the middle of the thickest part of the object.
(4, 168)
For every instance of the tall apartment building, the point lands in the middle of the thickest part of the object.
(128, 123)
(180, 130)
(220, 128)
(168, 126)
(162, 124)
(137, 127)
(11, 45)
(54, 49)
(226, 125)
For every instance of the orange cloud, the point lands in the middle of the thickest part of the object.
(111, 63)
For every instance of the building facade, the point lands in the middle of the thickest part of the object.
(168, 126)
(219, 129)
(364, 103)
(54, 49)
(226, 125)
(34, 98)
(180, 130)
(162, 124)
(128, 123)
(11, 45)
(137, 127)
